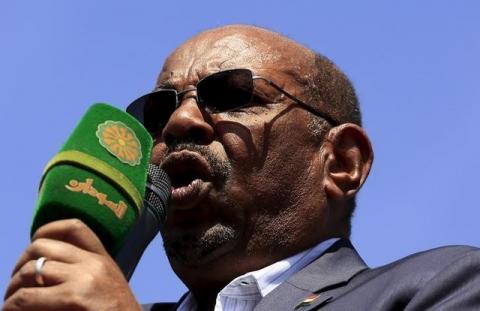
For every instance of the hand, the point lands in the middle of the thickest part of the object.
(79, 274)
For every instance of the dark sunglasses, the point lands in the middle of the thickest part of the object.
(219, 92)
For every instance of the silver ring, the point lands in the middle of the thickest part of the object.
(38, 270)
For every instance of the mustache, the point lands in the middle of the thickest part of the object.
(221, 168)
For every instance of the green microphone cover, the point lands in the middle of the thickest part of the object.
(98, 176)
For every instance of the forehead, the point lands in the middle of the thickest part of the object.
(210, 53)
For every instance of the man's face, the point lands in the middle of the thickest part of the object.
(244, 187)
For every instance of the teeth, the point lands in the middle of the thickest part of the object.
(182, 181)
(188, 186)
(186, 192)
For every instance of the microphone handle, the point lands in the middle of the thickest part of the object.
(137, 241)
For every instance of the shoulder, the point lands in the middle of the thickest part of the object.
(442, 278)
(451, 251)
(426, 264)
(437, 258)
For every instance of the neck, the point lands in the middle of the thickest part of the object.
(205, 299)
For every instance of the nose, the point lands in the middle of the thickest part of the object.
(188, 123)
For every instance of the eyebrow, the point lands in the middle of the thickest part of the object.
(167, 84)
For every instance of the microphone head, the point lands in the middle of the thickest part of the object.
(98, 176)
(157, 193)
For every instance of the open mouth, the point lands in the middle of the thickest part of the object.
(190, 176)
(184, 178)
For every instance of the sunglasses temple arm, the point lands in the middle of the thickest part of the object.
(298, 101)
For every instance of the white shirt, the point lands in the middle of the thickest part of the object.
(244, 292)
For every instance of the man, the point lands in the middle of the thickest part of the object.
(264, 146)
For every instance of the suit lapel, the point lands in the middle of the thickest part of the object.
(306, 289)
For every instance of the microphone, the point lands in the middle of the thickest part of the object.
(99, 176)
(158, 189)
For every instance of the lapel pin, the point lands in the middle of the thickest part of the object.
(307, 301)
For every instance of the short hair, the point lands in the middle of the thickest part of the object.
(334, 93)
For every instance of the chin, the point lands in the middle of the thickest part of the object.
(193, 249)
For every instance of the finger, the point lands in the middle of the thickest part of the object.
(53, 273)
(52, 250)
(41, 298)
(72, 231)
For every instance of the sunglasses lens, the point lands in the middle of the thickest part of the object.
(226, 90)
(153, 110)
(222, 91)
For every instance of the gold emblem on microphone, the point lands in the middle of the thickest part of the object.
(121, 141)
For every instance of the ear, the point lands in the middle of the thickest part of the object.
(348, 156)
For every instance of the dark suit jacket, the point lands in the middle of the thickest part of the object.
(446, 278)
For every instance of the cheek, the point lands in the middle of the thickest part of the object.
(239, 141)
(266, 160)
(265, 152)
(239, 148)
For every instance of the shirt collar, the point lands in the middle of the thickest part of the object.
(270, 277)
(262, 282)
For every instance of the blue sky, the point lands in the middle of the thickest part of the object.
(415, 65)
